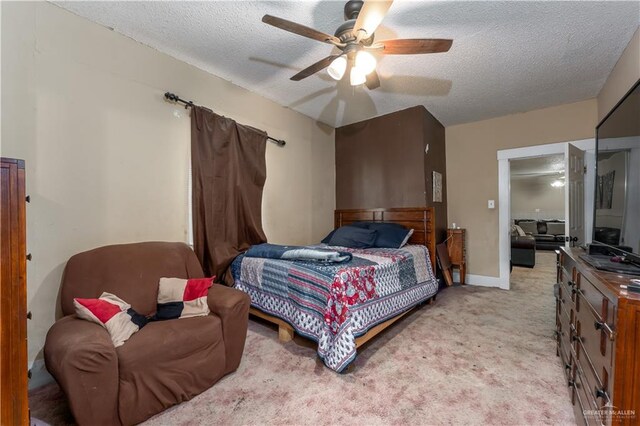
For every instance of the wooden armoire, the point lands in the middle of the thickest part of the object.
(13, 296)
(389, 162)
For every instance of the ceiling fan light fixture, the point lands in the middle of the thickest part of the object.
(366, 62)
(338, 67)
(357, 76)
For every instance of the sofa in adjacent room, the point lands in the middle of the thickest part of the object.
(523, 248)
(548, 234)
(163, 364)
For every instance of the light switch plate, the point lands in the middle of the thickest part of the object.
(491, 204)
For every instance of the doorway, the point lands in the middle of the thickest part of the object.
(537, 207)
(566, 150)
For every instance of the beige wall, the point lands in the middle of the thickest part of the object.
(107, 158)
(536, 193)
(472, 168)
(624, 75)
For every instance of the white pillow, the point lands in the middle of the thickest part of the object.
(406, 239)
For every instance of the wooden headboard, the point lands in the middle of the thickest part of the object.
(420, 219)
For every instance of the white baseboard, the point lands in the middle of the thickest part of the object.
(39, 375)
(481, 280)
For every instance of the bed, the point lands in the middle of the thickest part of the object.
(343, 305)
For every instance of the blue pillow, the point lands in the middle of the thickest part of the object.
(326, 239)
(351, 236)
(364, 225)
(390, 235)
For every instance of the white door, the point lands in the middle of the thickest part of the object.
(574, 195)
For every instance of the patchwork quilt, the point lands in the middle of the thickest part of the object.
(334, 303)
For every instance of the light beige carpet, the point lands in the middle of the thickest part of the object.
(477, 356)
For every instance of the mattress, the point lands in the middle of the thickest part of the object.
(334, 304)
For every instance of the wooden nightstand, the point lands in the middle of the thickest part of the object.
(457, 250)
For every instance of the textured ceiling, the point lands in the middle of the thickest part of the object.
(507, 57)
(549, 166)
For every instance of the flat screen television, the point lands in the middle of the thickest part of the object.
(616, 227)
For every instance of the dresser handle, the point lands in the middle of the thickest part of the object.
(601, 325)
(601, 393)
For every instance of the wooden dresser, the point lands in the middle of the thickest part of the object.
(13, 296)
(457, 250)
(598, 333)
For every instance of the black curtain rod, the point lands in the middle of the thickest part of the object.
(172, 97)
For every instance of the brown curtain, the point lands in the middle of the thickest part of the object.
(228, 174)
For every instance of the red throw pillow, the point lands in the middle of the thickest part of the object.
(112, 313)
(180, 298)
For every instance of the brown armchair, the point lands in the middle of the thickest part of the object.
(164, 363)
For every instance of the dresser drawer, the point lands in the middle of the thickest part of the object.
(595, 342)
(585, 407)
(567, 361)
(596, 384)
(567, 285)
(564, 332)
(592, 298)
(564, 297)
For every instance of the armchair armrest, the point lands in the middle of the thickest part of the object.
(81, 357)
(232, 306)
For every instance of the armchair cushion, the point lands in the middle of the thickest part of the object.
(169, 362)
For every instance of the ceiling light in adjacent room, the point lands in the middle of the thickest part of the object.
(365, 61)
(557, 183)
(338, 67)
(357, 76)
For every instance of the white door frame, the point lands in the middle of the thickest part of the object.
(504, 193)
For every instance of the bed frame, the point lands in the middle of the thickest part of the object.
(420, 219)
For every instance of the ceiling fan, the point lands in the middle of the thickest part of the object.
(355, 38)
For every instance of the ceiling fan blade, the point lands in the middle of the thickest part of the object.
(413, 46)
(295, 28)
(373, 80)
(369, 17)
(318, 66)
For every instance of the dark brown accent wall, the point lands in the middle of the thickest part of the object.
(381, 163)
